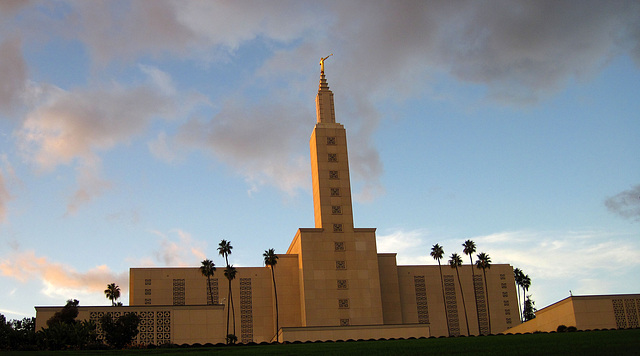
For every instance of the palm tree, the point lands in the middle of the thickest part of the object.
(224, 249)
(526, 283)
(470, 249)
(207, 269)
(112, 293)
(437, 252)
(518, 275)
(271, 259)
(230, 273)
(455, 261)
(483, 262)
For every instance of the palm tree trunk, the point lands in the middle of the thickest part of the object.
(233, 311)
(520, 305)
(487, 292)
(444, 300)
(464, 305)
(475, 293)
(228, 310)
(275, 291)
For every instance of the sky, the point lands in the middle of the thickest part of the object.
(141, 133)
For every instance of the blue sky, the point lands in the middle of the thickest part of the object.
(142, 133)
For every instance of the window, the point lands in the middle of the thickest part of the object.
(334, 175)
(331, 141)
(342, 284)
(343, 303)
(335, 192)
(333, 157)
(336, 210)
(341, 264)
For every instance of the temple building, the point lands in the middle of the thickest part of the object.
(332, 284)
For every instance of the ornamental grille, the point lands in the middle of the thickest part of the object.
(147, 291)
(343, 303)
(333, 157)
(337, 227)
(341, 265)
(482, 304)
(334, 175)
(246, 311)
(331, 141)
(336, 210)
(632, 315)
(335, 192)
(618, 311)
(339, 246)
(342, 284)
(154, 327)
(344, 322)
(147, 282)
(213, 284)
(451, 305)
(421, 299)
(178, 292)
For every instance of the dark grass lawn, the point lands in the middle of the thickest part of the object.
(606, 342)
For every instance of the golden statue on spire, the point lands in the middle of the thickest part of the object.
(322, 62)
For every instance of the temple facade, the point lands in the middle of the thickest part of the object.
(332, 284)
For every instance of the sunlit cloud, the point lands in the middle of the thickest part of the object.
(58, 279)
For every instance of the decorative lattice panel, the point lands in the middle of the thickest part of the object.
(178, 292)
(421, 299)
(246, 310)
(451, 304)
(482, 304)
(618, 311)
(632, 315)
(213, 284)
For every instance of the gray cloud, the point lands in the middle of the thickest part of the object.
(73, 127)
(261, 141)
(520, 51)
(13, 74)
(625, 204)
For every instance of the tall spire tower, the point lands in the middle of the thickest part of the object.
(330, 165)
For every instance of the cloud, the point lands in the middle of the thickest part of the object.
(625, 204)
(261, 142)
(59, 279)
(7, 174)
(521, 52)
(74, 127)
(557, 261)
(209, 30)
(184, 252)
(13, 71)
